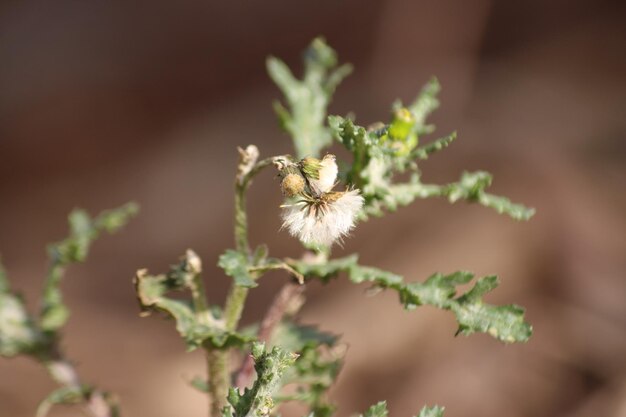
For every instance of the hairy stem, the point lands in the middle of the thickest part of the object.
(241, 219)
(218, 381)
(218, 360)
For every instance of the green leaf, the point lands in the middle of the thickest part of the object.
(505, 323)
(424, 151)
(151, 292)
(195, 321)
(235, 264)
(504, 206)
(425, 103)
(258, 401)
(200, 384)
(83, 231)
(295, 337)
(63, 395)
(316, 368)
(18, 333)
(377, 410)
(435, 411)
(308, 98)
(382, 151)
(471, 187)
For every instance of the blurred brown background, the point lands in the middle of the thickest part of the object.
(104, 102)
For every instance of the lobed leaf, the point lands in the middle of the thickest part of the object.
(505, 323)
(83, 232)
(308, 98)
(195, 321)
(235, 264)
(471, 188)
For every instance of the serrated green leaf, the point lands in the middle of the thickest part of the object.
(83, 231)
(151, 292)
(258, 401)
(235, 264)
(377, 410)
(363, 147)
(435, 411)
(505, 323)
(471, 188)
(308, 98)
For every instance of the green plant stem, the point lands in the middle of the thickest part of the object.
(237, 296)
(218, 361)
(218, 381)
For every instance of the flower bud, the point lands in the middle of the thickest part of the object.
(311, 167)
(292, 184)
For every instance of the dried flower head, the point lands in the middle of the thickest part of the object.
(318, 216)
(324, 220)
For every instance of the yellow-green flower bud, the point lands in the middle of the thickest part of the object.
(402, 124)
(403, 137)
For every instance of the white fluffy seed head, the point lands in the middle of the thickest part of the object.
(323, 221)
